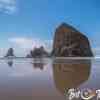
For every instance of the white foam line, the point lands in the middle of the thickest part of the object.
(76, 58)
(54, 58)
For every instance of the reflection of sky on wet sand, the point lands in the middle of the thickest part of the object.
(26, 80)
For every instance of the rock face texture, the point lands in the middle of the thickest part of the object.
(68, 42)
(10, 53)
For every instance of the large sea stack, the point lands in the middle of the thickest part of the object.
(69, 42)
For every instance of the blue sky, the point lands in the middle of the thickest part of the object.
(23, 22)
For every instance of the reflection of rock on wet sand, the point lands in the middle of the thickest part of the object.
(10, 63)
(38, 64)
(70, 75)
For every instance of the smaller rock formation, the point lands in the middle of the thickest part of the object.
(69, 42)
(38, 52)
(10, 53)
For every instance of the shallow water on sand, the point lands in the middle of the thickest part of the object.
(45, 79)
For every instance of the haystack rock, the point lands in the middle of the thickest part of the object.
(69, 42)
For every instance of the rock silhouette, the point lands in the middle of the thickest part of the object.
(38, 52)
(10, 53)
(69, 42)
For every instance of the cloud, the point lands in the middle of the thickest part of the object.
(29, 43)
(8, 6)
(23, 45)
(3, 52)
(96, 51)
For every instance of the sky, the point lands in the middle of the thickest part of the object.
(25, 24)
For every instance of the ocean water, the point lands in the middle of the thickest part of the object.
(46, 79)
